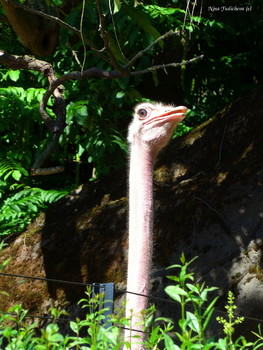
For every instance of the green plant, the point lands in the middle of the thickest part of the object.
(20, 203)
(97, 331)
(228, 324)
(226, 72)
(192, 324)
(15, 331)
(102, 332)
(11, 172)
(17, 211)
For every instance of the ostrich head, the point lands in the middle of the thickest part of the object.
(153, 124)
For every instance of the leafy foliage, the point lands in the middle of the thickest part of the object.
(98, 332)
(20, 202)
(17, 211)
(10, 169)
(95, 116)
(98, 111)
(19, 120)
(94, 136)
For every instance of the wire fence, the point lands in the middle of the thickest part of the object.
(102, 285)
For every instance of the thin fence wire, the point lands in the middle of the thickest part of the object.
(41, 317)
(46, 279)
(92, 284)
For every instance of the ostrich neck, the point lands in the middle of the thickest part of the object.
(140, 225)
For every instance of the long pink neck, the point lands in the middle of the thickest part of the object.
(140, 232)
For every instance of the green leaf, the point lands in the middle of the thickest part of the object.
(173, 266)
(222, 344)
(192, 288)
(143, 21)
(40, 347)
(13, 91)
(192, 321)
(115, 49)
(16, 174)
(32, 207)
(56, 338)
(2, 265)
(169, 344)
(182, 259)
(175, 292)
(120, 94)
(117, 5)
(80, 151)
(58, 2)
(206, 291)
(14, 75)
(74, 327)
(16, 208)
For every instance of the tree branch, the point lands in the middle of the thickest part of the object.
(23, 62)
(56, 126)
(96, 72)
(142, 52)
(167, 65)
(104, 36)
(66, 25)
(36, 167)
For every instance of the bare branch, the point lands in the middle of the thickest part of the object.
(82, 36)
(47, 171)
(96, 72)
(167, 65)
(30, 63)
(142, 52)
(56, 126)
(104, 36)
(44, 155)
(91, 72)
(102, 27)
(23, 62)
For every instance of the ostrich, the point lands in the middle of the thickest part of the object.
(150, 130)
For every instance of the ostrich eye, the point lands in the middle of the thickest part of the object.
(142, 113)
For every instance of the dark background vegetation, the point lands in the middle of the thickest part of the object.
(99, 110)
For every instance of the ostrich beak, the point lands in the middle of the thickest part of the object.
(175, 115)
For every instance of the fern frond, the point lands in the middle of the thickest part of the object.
(17, 211)
(11, 168)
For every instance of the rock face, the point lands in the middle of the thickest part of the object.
(208, 203)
